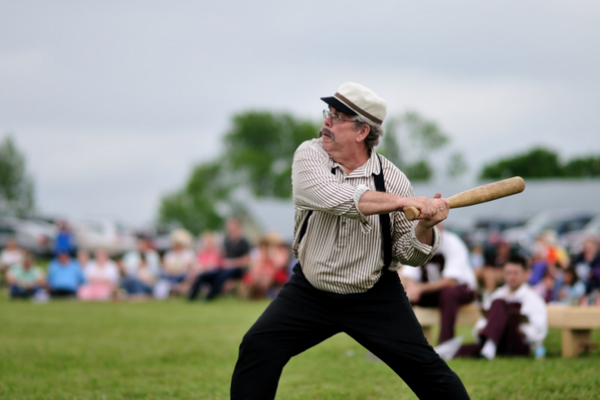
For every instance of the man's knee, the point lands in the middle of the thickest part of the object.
(498, 303)
(449, 294)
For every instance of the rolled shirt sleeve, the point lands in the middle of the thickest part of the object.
(407, 248)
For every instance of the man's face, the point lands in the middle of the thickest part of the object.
(514, 275)
(338, 133)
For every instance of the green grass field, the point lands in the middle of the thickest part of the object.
(164, 350)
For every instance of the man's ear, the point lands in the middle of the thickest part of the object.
(363, 132)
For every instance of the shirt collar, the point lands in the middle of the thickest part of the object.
(371, 167)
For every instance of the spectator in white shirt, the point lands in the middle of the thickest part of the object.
(515, 321)
(447, 281)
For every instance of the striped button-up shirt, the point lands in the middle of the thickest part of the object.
(341, 250)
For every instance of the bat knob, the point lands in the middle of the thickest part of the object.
(411, 213)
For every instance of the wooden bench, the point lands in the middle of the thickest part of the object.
(430, 317)
(576, 323)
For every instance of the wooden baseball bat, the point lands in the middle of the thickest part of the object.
(478, 195)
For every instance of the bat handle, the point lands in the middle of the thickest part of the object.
(411, 213)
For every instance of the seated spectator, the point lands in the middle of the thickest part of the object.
(83, 258)
(477, 257)
(572, 289)
(235, 263)
(261, 275)
(281, 254)
(490, 276)
(141, 269)
(102, 278)
(539, 263)
(587, 265)
(141, 284)
(515, 320)
(208, 259)
(178, 262)
(64, 276)
(25, 279)
(10, 255)
(176, 266)
(446, 281)
(546, 287)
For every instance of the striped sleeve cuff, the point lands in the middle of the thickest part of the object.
(360, 190)
(422, 247)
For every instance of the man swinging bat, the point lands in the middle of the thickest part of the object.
(350, 237)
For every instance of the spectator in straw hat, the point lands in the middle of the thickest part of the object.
(177, 264)
(178, 261)
(350, 238)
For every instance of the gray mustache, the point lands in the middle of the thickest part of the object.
(327, 132)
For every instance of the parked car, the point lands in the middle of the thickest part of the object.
(92, 233)
(487, 231)
(34, 236)
(559, 221)
(573, 241)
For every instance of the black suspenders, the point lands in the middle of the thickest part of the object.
(384, 221)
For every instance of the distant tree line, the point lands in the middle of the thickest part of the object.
(257, 159)
(542, 163)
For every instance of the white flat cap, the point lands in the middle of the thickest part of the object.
(354, 99)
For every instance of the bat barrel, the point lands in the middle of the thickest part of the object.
(478, 195)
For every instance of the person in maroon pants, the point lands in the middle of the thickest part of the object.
(447, 281)
(515, 318)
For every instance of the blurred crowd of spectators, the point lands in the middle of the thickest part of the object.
(189, 269)
(216, 263)
(557, 276)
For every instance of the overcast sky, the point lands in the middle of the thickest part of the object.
(112, 102)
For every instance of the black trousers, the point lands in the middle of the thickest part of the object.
(380, 319)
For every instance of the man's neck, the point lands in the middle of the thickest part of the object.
(354, 160)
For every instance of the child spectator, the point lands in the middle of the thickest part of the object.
(545, 287)
(102, 277)
(25, 279)
(572, 289)
(64, 276)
